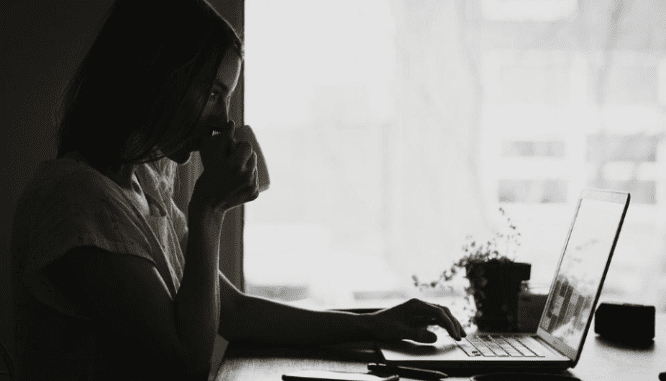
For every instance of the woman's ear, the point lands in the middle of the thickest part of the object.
(246, 134)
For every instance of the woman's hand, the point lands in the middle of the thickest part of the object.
(230, 175)
(411, 319)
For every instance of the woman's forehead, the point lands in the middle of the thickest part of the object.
(229, 70)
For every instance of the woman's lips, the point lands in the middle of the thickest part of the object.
(228, 132)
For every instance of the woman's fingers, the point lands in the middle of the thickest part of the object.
(442, 316)
(251, 164)
(447, 312)
(460, 328)
(421, 321)
(243, 152)
(421, 335)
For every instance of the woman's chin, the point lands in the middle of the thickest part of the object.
(182, 157)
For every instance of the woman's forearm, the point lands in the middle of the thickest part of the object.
(196, 305)
(262, 320)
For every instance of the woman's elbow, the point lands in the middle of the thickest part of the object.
(233, 317)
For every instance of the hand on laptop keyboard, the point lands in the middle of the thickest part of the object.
(410, 320)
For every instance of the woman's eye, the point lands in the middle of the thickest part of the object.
(214, 94)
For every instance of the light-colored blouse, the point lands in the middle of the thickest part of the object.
(68, 204)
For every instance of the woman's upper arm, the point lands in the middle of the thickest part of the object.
(127, 295)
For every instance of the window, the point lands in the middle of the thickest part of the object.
(539, 191)
(624, 162)
(635, 147)
(540, 77)
(633, 84)
(533, 148)
(393, 130)
(528, 10)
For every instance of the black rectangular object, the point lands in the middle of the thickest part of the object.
(625, 323)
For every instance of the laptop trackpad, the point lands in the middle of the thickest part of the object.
(407, 350)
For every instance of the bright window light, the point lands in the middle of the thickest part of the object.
(394, 129)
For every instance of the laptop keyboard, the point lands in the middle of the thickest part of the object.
(499, 346)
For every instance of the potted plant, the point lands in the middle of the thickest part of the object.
(495, 279)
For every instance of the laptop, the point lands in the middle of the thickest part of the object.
(566, 318)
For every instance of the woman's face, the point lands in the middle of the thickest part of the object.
(215, 114)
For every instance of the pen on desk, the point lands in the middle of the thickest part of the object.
(404, 371)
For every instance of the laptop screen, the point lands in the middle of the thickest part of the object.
(582, 268)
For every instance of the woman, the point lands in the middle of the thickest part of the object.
(98, 248)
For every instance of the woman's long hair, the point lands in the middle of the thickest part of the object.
(139, 91)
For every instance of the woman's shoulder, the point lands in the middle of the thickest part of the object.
(68, 204)
(69, 184)
(69, 174)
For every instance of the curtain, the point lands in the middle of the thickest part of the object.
(434, 171)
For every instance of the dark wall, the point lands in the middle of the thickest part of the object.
(41, 45)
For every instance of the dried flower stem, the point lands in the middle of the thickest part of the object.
(476, 253)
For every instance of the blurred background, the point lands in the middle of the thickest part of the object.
(394, 129)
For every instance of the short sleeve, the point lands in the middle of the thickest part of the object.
(77, 210)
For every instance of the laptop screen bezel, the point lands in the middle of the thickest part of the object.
(589, 194)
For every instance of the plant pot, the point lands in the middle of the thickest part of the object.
(495, 287)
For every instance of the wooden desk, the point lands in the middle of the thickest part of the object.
(601, 360)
